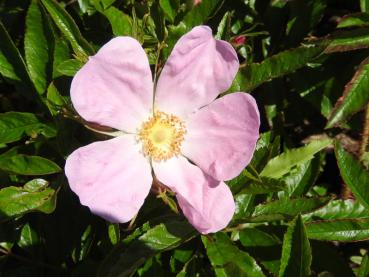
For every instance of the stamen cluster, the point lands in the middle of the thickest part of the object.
(161, 136)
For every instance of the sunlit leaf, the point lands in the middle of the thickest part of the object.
(354, 20)
(350, 40)
(61, 54)
(339, 209)
(282, 164)
(346, 230)
(364, 5)
(302, 177)
(15, 201)
(37, 46)
(28, 237)
(114, 233)
(244, 205)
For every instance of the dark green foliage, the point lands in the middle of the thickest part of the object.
(296, 251)
(302, 202)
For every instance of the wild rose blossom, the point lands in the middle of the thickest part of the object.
(191, 141)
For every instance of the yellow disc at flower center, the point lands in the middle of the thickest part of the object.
(161, 136)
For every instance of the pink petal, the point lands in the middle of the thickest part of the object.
(197, 71)
(207, 203)
(114, 88)
(110, 177)
(221, 137)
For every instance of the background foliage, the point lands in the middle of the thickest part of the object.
(302, 203)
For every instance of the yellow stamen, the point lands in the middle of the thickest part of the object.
(161, 136)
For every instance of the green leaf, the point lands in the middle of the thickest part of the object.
(28, 237)
(364, 5)
(364, 267)
(282, 164)
(355, 96)
(169, 7)
(16, 201)
(69, 28)
(182, 255)
(224, 27)
(249, 179)
(267, 147)
(125, 259)
(353, 173)
(86, 6)
(107, 3)
(69, 67)
(244, 205)
(302, 177)
(195, 267)
(114, 233)
(12, 64)
(254, 237)
(342, 41)
(339, 209)
(121, 23)
(27, 165)
(264, 185)
(200, 13)
(36, 185)
(296, 252)
(285, 208)
(265, 244)
(227, 259)
(276, 66)
(174, 34)
(61, 53)
(354, 20)
(85, 244)
(15, 125)
(345, 230)
(37, 46)
(55, 101)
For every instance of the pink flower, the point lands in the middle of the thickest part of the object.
(190, 140)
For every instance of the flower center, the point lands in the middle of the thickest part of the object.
(161, 136)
